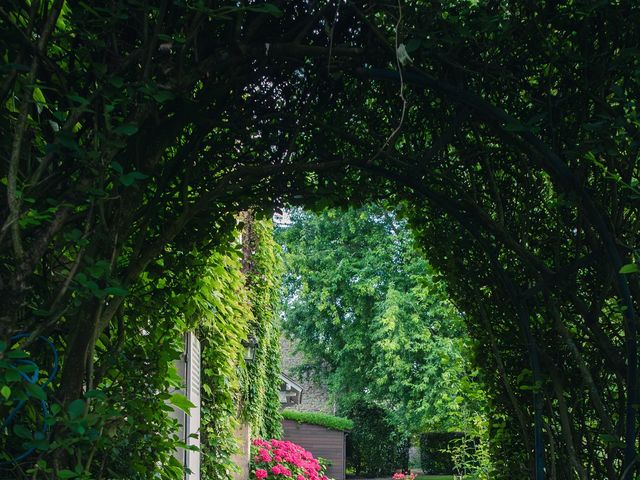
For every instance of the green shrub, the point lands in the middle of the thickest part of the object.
(471, 457)
(322, 419)
(435, 454)
(375, 448)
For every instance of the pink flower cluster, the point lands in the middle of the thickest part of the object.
(404, 476)
(275, 459)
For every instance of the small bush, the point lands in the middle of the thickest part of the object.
(435, 457)
(375, 448)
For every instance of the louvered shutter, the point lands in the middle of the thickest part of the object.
(192, 426)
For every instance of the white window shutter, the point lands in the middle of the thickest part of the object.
(188, 367)
(192, 426)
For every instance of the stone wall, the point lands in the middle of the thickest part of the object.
(315, 397)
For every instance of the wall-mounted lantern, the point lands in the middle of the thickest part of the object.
(250, 346)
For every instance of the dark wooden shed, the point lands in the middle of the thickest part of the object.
(321, 442)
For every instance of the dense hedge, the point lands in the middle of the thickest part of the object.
(324, 420)
(375, 448)
(434, 457)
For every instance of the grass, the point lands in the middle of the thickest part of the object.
(434, 477)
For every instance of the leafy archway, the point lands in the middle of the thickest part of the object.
(136, 131)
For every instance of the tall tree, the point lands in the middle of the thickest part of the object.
(373, 318)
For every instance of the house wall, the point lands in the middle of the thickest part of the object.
(243, 455)
(315, 396)
(321, 442)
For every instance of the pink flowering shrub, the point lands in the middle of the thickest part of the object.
(281, 460)
(404, 476)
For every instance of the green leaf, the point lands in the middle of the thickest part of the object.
(131, 177)
(181, 402)
(116, 291)
(76, 409)
(60, 116)
(266, 8)
(162, 96)
(22, 432)
(81, 278)
(41, 444)
(27, 368)
(17, 353)
(5, 391)
(36, 391)
(630, 268)
(610, 439)
(117, 82)
(95, 394)
(67, 474)
(126, 129)
(78, 99)
(117, 167)
(38, 96)
(12, 376)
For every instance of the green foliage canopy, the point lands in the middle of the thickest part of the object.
(135, 132)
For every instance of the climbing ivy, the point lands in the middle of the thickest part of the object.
(263, 268)
(220, 304)
(227, 303)
(231, 301)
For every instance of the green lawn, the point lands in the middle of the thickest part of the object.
(434, 477)
(431, 477)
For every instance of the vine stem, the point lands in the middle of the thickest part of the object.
(395, 132)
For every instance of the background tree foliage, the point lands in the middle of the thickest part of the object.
(373, 321)
(135, 131)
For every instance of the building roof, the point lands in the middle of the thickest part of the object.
(290, 391)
